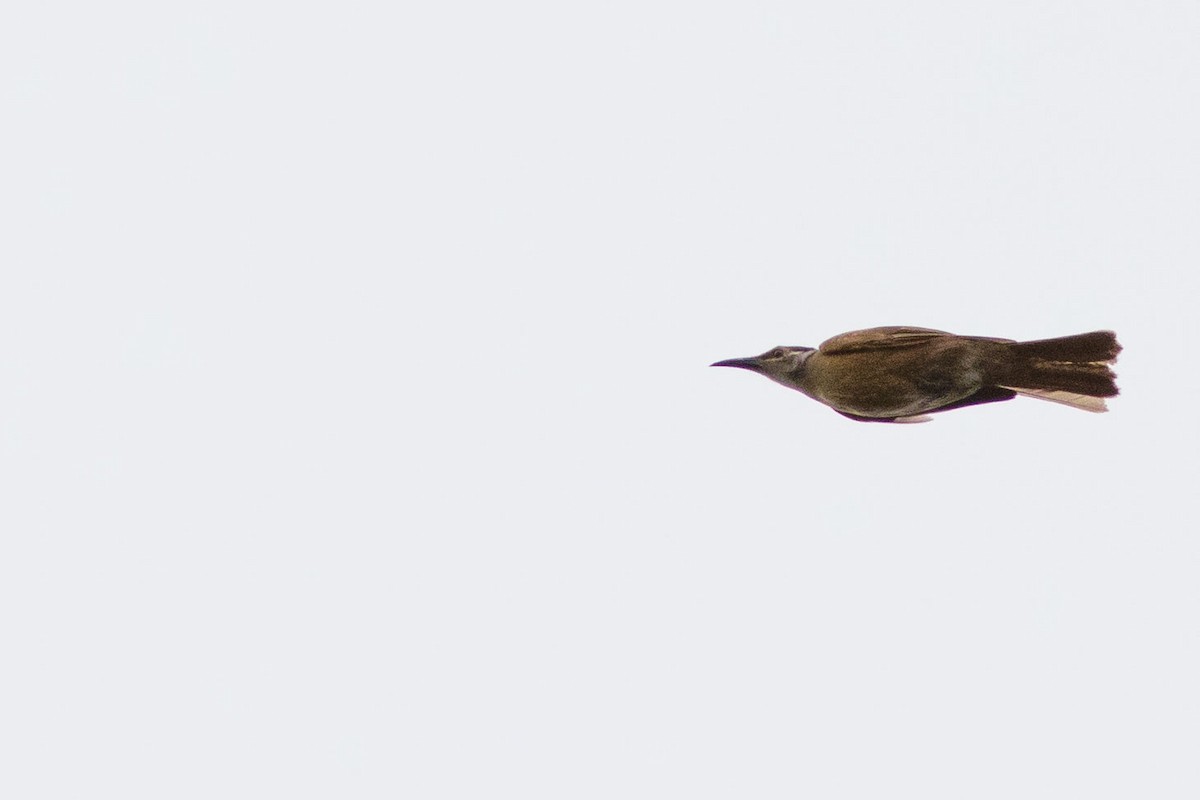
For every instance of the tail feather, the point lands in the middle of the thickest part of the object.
(1081, 401)
(1073, 370)
(1097, 346)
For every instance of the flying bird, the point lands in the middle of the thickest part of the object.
(901, 374)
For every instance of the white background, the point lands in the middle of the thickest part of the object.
(357, 438)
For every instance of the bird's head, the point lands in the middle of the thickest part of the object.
(782, 364)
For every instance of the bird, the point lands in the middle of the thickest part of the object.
(899, 373)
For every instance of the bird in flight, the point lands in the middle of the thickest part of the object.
(902, 374)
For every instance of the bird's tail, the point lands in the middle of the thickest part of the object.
(1072, 370)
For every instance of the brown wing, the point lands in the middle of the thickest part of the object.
(890, 337)
(886, 338)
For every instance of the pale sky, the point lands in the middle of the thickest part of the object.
(357, 437)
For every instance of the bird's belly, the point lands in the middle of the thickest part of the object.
(887, 390)
(912, 405)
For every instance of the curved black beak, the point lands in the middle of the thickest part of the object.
(740, 363)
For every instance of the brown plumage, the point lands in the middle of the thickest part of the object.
(898, 373)
(1073, 365)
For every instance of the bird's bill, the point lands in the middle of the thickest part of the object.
(740, 363)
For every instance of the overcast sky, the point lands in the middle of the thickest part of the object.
(357, 437)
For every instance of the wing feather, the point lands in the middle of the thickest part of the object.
(886, 338)
(890, 337)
